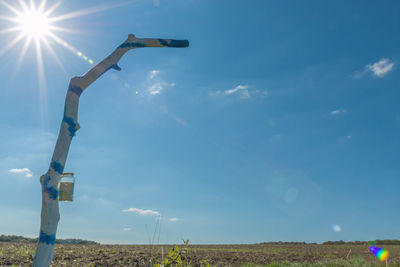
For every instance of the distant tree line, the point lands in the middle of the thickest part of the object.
(285, 243)
(22, 239)
(340, 242)
(377, 242)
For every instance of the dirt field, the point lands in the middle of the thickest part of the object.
(217, 255)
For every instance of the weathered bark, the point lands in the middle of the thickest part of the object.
(50, 210)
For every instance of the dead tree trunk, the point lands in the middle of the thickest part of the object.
(50, 210)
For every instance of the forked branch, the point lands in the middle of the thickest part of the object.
(50, 209)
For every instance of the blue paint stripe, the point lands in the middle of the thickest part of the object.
(72, 125)
(133, 44)
(46, 179)
(57, 167)
(48, 239)
(164, 42)
(174, 43)
(50, 190)
(179, 43)
(75, 89)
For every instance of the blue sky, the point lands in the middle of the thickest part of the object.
(280, 122)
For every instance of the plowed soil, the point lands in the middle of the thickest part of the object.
(217, 255)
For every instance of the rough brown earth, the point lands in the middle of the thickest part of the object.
(217, 255)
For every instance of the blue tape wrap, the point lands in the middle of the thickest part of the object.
(57, 167)
(179, 43)
(75, 89)
(164, 42)
(50, 190)
(71, 125)
(174, 43)
(134, 44)
(48, 239)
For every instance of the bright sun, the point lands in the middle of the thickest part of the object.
(34, 23)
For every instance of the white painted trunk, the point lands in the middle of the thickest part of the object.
(50, 210)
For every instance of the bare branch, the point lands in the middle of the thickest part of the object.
(111, 62)
(50, 209)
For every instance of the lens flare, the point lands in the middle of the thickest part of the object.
(336, 228)
(380, 253)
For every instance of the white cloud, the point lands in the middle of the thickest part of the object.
(156, 84)
(241, 90)
(19, 170)
(173, 219)
(142, 212)
(380, 68)
(338, 111)
(153, 73)
(237, 88)
(156, 89)
(126, 229)
(25, 171)
(348, 137)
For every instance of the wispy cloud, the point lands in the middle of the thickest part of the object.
(378, 69)
(155, 84)
(156, 89)
(143, 212)
(25, 171)
(173, 219)
(236, 89)
(127, 229)
(338, 111)
(153, 73)
(240, 90)
(381, 68)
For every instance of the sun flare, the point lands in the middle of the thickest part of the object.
(34, 23)
(32, 27)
